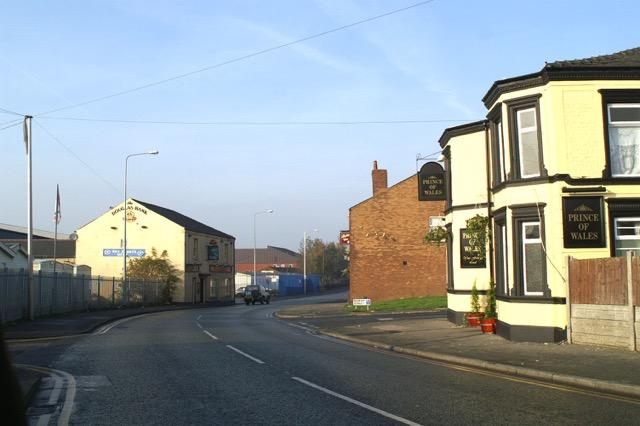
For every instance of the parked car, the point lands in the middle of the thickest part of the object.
(256, 293)
(240, 292)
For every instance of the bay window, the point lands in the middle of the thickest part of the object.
(627, 235)
(624, 139)
(525, 138)
(530, 265)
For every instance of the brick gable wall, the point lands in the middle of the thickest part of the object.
(386, 231)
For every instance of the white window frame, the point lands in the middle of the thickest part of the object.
(505, 257)
(522, 130)
(624, 237)
(524, 242)
(620, 124)
(502, 172)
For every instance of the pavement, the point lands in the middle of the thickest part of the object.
(429, 335)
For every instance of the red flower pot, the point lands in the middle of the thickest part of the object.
(473, 318)
(488, 325)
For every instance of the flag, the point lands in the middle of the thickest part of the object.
(57, 215)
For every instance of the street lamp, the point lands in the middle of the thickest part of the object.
(304, 261)
(255, 278)
(124, 253)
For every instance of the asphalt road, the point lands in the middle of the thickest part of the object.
(240, 365)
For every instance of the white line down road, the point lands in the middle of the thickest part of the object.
(355, 402)
(210, 335)
(245, 354)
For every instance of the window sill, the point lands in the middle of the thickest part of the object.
(533, 299)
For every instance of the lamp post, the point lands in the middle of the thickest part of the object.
(124, 214)
(255, 275)
(304, 261)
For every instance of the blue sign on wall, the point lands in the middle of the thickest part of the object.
(120, 252)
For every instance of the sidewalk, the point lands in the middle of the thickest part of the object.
(72, 324)
(432, 336)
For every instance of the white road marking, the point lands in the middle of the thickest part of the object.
(199, 316)
(358, 403)
(245, 354)
(198, 324)
(385, 319)
(298, 326)
(210, 335)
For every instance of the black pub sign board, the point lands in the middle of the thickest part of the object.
(470, 257)
(582, 222)
(431, 183)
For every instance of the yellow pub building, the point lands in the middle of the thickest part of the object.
(556, 169)
(203, 255)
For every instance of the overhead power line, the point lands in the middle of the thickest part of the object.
(13, 124)
(237, 59)
(256, 123)
(70, 151)
(7, 111)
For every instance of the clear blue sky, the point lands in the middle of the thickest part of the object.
(433, 62)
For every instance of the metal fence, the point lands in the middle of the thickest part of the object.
(60, 293)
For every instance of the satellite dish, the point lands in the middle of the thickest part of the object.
(73, 236)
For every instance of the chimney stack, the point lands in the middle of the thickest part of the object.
(379, 178)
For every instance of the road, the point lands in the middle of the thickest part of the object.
(240, 365)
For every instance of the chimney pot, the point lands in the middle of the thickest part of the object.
(378, 178)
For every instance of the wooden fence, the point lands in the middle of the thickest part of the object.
(603, 299)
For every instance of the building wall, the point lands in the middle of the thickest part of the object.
(573, 140)
(388, 258)
(217, 275)
(468, 170)
(149, 230)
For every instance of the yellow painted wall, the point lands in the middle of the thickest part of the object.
(461, 302)
(463, 278)
(106, 232)
(536, 314)
(469, 188)
(468, 169)
(572, 126)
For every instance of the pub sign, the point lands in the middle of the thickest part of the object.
(431, 182)
(582, 222)
(470, 257)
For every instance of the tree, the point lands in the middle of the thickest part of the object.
(327, 260)
(155, 268)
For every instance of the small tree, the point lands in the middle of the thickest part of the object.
(490, 303)
(156, 268)
(475, 299)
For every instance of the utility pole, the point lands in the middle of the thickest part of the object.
(30, 288)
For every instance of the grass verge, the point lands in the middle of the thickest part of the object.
(410, 304)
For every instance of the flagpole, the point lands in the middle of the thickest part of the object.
(30, 286)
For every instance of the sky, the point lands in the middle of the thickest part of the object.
(272, 140)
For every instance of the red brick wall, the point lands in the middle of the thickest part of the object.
(387, 230)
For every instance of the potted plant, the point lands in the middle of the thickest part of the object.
(474, 317)
(488, 323)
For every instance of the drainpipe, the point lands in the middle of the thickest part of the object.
(489, 214)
